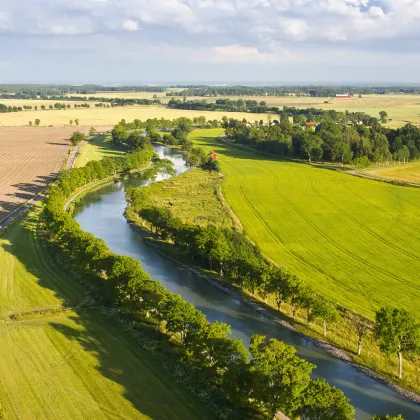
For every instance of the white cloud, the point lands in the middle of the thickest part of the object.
(218, 31)
(130, 25)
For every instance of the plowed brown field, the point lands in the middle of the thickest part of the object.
(30, 158)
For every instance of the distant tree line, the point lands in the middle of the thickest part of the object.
(314, 91)
(274, 379)
(330, 141)
(25, 91)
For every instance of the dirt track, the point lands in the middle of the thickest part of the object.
(30, 158)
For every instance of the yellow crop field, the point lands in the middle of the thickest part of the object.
(400, 108)
(110, 116)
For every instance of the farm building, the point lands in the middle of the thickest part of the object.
(343, 95)
(213, 155)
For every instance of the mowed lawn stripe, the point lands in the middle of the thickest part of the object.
(356, 240)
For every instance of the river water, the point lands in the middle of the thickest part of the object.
(101, 213)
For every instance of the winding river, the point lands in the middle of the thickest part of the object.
(101, 213)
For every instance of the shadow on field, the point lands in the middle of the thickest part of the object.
(146, 386)
(25, 191)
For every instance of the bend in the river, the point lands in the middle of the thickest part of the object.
(101, 213)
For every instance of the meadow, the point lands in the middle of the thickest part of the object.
(96, 149)
(409, 172)
(356, 241)
(57, 362)
(194, 196)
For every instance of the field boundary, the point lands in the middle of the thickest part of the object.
(353, 172)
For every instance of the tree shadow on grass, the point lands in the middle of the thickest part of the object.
(147, 389)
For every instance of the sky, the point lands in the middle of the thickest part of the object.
(193, 41)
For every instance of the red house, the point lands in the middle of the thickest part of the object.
(213, 155)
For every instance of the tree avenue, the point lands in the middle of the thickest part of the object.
(205, 347)
(240, 386)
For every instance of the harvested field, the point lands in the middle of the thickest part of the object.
(31, 157)
(110, 116)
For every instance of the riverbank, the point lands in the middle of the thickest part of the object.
(266, 311)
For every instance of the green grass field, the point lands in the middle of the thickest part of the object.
(77, 365)
(96, 149)
(194, 197)
(356, 241)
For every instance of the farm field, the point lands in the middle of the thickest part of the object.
(406, 172)
(110, 116)
(400, 108)
(356, 241)
(70, 364)
(30, 158)
(96, 149)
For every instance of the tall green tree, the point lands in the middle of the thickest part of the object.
(397, 333)
(279, 376)
(320, 401)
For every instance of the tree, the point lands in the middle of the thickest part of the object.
(361, 329)
(180, 316)
(42, 107)
(92, 131)
(325, 310)
(76, 121)
(77, 137)
(312, 147)
(279, 286)
(388, 417)
(30, 123)
(37, 121)
(320, 401)
(71, 122)
(383, 115)
(279, 376)
(397, 332)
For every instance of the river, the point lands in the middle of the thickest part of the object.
(101, 213)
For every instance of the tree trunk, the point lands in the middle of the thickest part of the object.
(400, 361)
(325, 328)
(359, 345)
(278, 304)
(293, 311)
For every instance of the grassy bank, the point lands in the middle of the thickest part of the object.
(71, 364)
(96, 149)
(194, 196)
(342, 334)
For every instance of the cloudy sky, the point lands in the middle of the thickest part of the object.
(157, 41)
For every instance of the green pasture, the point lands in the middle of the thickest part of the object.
(96, 149)
(193, 196)
(356, 241)
(76, 364)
